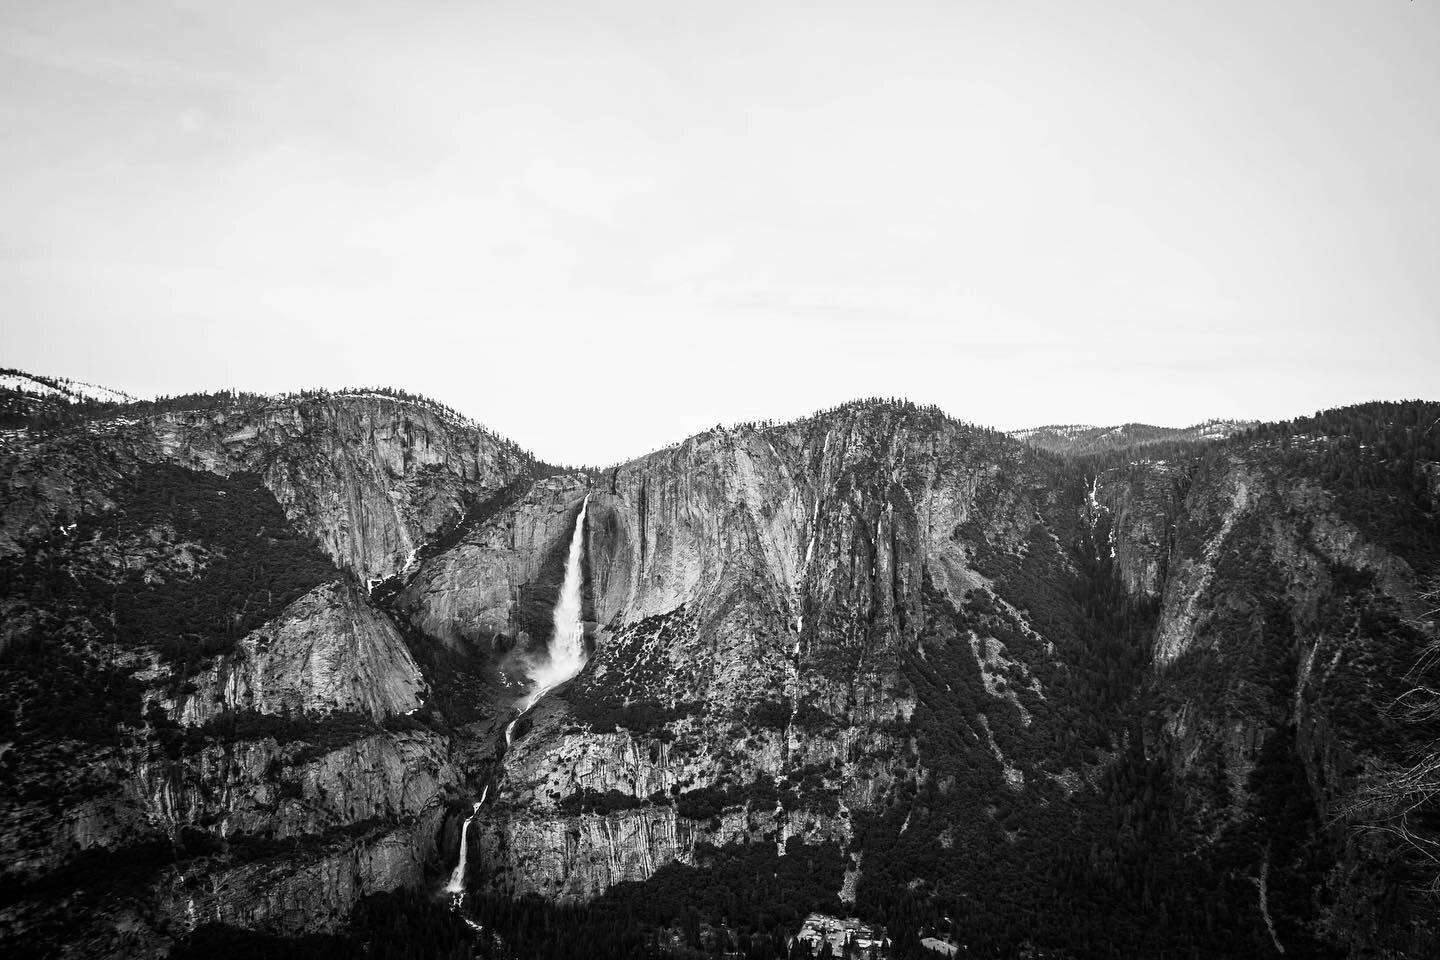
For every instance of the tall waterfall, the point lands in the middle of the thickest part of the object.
(566, 653)
(567, 643)
(457, 878)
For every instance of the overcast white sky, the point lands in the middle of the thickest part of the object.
(601, 226)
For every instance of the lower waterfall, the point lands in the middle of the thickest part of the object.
(456, 885)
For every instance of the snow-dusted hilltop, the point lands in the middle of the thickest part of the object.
(61, 387)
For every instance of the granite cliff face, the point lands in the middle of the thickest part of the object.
(925, 650)
(784, 600)
(204, 706)
(500, 580)
(370, 477)
(757, 592)
(1291, 625)
(328, 651)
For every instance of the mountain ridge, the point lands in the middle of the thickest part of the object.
(877, 640)
(1060, 438)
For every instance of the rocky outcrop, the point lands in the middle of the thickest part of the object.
(502, 578)
(329, 650)
(369, 476)
(266, 790)
(532, 840)
(1138, 505)
(279, 837)
(313, 892)
(47, 482)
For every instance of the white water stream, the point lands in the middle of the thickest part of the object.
(564, 658)
(457, 879)
(566, 653)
